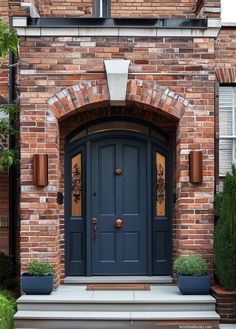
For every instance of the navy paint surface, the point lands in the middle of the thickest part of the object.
(119, 251)
(121, 149)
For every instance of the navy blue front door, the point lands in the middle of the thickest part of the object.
(119, 191)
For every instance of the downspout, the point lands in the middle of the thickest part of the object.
(12, 176)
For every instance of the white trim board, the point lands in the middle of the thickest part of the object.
(212, 30)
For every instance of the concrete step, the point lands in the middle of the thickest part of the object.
(112, 307)
(77, 298)
(104, 319)
(118, 279)
(72, 306)
(116, 305)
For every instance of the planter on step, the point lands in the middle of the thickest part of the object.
(38, 280)
(36, 285)
(194, 285)
(192, 278)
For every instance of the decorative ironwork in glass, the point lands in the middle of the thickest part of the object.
(160, 185)
(77, 186)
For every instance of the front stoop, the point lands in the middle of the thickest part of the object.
(72, 306)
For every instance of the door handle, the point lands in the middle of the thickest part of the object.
(94, 221)
(118, 223)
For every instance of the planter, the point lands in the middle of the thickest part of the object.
(36, 285)
(194, 285)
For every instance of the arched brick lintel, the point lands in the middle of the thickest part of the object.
(226, 75)
(89, 93)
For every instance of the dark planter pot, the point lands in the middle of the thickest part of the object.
(36, 285)
(194, 285)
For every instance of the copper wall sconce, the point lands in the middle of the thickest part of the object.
(195, 167)
(40, 169)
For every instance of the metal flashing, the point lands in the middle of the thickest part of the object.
(117, 22)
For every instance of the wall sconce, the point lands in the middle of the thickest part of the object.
(40, 169)
(195, 167)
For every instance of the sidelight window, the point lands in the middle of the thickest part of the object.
(76, 186)
(160, 185)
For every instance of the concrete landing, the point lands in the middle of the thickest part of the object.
(72, 306)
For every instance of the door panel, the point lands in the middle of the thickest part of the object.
(106, 180)
(130, 182)
(131, 254)
(107, 246)
(119, 250)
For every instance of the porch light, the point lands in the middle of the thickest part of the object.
(195, 167)
(40, 169)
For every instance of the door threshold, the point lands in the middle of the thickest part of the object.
(118, 279)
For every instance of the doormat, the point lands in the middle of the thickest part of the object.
(118, 286)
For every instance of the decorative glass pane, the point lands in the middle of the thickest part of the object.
(76, 186)
(160, 185)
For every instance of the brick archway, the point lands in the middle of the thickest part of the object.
(86, 99)
(88, 93)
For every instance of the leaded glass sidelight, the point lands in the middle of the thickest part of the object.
(76, 186)
(160, 185)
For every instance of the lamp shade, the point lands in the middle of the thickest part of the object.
(40, 169)
(195, 167)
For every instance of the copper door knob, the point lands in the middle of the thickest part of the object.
(118, 223)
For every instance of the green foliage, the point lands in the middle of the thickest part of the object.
(9, 109)
(39, 269)
(7, 275)
(225, 233)
(190, 265)
(7, 310)
(8, 157)
(8, 40)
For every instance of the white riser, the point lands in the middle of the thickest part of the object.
(118, 279)
(108, 320)
(131, 307)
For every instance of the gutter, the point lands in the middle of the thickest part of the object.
(12, 173)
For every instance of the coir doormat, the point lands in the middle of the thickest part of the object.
(118, 286)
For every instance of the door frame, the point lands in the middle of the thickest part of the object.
(84, 144)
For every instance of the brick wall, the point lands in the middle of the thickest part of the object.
(208, 8)
(225, 304)
(67, 8)
(188, 69)
(151, 8)
(226, 56)
(4, 10)
(121, 8)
